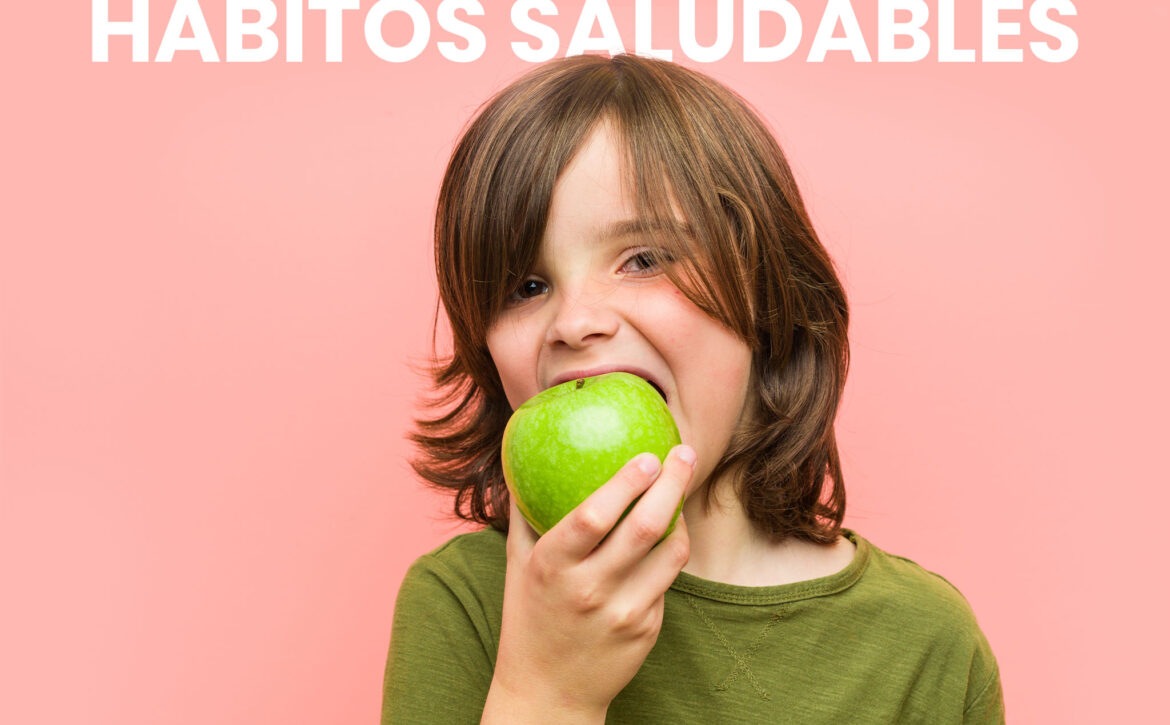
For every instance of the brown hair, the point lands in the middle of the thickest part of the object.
(749, 257)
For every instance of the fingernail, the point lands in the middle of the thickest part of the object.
(686, 454)
(648, 462)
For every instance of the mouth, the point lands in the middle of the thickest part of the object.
(645, 375)
(660, 391)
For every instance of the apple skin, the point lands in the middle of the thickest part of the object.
(562, 444)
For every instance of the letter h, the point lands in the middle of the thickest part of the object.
(138, 28)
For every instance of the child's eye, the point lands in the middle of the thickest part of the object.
(528, 289)
(645, 261)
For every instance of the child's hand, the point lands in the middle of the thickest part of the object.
(579, 619)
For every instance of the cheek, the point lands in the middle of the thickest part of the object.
(697, 343)
(711, 366)
(515, 358)
(670, 317)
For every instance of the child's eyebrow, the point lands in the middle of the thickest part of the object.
(632, 227)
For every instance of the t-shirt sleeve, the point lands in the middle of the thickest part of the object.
(438, 668)
(984, 703)
(987, 706)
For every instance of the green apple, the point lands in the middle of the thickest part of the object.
(562, 444)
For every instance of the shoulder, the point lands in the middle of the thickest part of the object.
(474, 551)
(469, 566)
(927, 609)
(901, 581)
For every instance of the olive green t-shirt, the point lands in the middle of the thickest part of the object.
(881, 641)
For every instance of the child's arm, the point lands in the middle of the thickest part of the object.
(579, 619)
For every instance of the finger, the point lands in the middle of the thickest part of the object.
(654, 574)
(583, 528)
(521, 537)
(648, 520)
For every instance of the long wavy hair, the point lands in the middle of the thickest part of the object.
(750, 259)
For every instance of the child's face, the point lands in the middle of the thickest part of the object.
(592, 305)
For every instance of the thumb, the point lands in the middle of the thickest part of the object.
(521, 536)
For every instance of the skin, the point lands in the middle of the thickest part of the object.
(579, 619)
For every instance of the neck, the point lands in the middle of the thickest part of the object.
(725, 547)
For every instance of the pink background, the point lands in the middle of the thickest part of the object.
(216, 279)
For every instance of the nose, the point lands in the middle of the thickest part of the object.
(580, 320)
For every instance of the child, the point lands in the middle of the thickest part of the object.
(627, 213)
